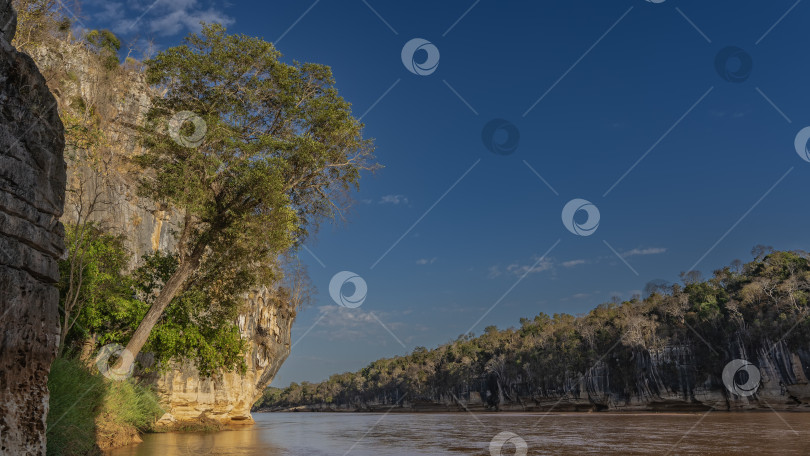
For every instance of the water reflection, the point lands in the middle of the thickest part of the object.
(320, 434)
(245, 441)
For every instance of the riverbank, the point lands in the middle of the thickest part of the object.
(788, 404)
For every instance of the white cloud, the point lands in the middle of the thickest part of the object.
(178, 18)
(647, 251)
(160, 17)
(549, 264)
(423, 261)
(572, 263)
(342, 323)
(537, 266)
(394, 199)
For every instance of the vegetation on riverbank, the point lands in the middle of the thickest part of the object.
(740, 308)
(89, 413)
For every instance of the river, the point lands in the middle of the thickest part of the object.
(400, 434)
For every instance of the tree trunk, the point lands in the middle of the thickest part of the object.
(63, 333)
(88, 346)
(169, 291)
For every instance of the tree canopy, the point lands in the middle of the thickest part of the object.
(252, 152)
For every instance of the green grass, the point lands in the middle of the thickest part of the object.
(131, 404)
(78, 397)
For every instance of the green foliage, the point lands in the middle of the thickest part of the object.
(103, 40)
(127, 403)
(107, 45)
(280, 147)
(758, 304)
(38, 22)
(83, 403)
(199, 325)
(104, 289)
(76, 396)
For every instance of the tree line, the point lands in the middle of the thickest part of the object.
(742, 305)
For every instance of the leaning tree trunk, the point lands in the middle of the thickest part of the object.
(172, 287)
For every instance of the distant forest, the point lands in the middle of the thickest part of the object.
(741, 308)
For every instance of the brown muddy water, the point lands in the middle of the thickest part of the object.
(501, 434)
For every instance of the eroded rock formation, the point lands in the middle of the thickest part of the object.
(122, 98)
(32, 191)
(227, 397)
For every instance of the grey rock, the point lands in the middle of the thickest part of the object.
(32, 192)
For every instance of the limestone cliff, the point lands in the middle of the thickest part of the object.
(120, 99)
(668, 379)
(228, 397)
(32, 190)
(661, 380)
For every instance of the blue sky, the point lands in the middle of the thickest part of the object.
(593, 87)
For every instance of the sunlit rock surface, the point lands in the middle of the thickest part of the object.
(32, 190)
(122, 98)
(227, 398)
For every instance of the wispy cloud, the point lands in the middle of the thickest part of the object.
(572, 263)
(341, 323)
(423, 261)
(156, 17)
(549, 264)
(578, 296)
(546, 264)
(647, 251)
(394, 199)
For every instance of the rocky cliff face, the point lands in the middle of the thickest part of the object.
(668, 379)
(673, 378)
(227, 398)
(121, 98)
(32, 190)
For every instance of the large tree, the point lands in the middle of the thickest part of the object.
(252, 152)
